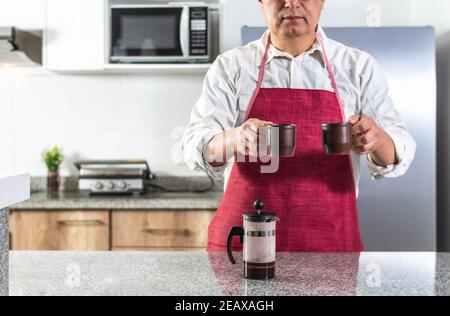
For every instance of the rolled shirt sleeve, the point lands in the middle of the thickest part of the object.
(377, 104)
(215, 112)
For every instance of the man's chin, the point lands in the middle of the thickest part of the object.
(294, 32)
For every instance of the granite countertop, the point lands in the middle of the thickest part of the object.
(69, 198)
(200, 273)
(156, 200)
(14, 188)
(4, 245)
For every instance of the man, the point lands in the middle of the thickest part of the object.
(295, 74)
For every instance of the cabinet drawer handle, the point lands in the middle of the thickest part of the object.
(178, 232)
(81, 222)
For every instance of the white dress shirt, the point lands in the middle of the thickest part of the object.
(232, 79)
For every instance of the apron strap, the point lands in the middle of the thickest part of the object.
(260, 78)
(338, 97)
(332, 78)
(262, 70)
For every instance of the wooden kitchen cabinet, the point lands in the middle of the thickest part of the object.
(160, 230)
(60, 230)
(148, 230)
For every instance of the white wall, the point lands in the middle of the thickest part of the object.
(91, 117)
(135, 116)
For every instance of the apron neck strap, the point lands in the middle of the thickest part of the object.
(331, 75)
(263, 66)
(260, 77)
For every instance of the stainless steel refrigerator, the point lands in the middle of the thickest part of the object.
(398, 214)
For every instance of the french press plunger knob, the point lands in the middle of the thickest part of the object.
(258, 205)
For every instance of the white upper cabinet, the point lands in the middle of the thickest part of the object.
(23, 14)
(75, 35)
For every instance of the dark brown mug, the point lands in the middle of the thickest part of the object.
(337, 138)
(278, 140)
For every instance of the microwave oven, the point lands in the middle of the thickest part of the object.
(159, 33)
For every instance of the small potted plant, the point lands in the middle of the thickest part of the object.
(53, 158)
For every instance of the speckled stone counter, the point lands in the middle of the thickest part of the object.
(70, 199)
(14, 188)
(4, 246)
(183, 273)
(156, 200)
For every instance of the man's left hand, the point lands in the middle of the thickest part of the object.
(369, 138)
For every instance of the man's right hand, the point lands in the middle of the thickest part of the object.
(242, 140)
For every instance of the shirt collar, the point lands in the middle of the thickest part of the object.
(276, 53)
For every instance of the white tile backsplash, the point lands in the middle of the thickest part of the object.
(7, 152)
(160, 148)
(94, 117)
(155, 103)
(76, 145)
(50, 102)
(6, 102)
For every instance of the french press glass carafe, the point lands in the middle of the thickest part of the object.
(259, 238)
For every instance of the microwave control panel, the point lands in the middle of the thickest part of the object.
(199, 31)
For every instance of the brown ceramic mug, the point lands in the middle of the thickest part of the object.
(337, 138)
(278, 140)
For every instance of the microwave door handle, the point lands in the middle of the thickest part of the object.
(184, 31)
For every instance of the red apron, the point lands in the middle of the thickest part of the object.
(313, 194)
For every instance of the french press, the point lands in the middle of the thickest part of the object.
(259, 239)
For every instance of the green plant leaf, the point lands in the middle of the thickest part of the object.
(53, 158)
